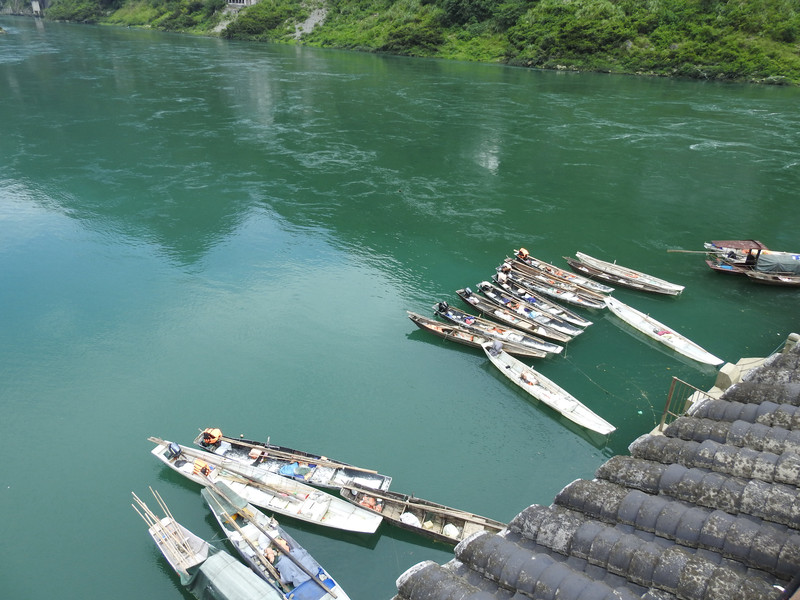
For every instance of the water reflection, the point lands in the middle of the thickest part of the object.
(177, 140)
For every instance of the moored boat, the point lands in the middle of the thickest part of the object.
(463, 335)
(522, 301)
(268, 490)
(661, 333)
(624, 276)
(313, 469)
(549, 285)
(502, 315)
(208, 572)
(272, 554)
(528, 262)
(733, 256)
(783, 279)
(432, 520)
(493, 330)
(545, 390)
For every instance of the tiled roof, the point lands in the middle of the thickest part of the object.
(709, 510)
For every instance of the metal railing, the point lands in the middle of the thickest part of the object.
(680, 398)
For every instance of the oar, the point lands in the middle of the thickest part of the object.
(248, 514)
(688, 251)
(261, 558)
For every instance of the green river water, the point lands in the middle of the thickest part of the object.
(201, 233)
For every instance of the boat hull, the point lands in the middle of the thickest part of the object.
(467, 337)
(661, 333)
(267, 490)
(426, 518)
(546, 391)
(624, 276)
(316, 470)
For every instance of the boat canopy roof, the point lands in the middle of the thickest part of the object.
(778, 262)
(739, 244)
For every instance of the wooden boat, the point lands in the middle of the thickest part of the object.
(624, 276)
(548, 285)
(784, 279)
(508, 335)
(546, 391)
(271, 491)
(660, 332)
(268, 549)
(312, 469)
(733, 256)
(525, 262)
(468, 337)
(508, 317)
(631, 283)
(528, 303)
(432, 520)
(209, 573)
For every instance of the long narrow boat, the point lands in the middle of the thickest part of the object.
(268, 490)
(432, 520)
(313, 469)
(268, 549)
(527, 303)
(208, 572)
(508, 317)
(525, 261)
(625, 276)
(550, 286)
(633, 284)
(472, 338)
(660, 332)
(782, 279)
(545, 390)
(508, 335)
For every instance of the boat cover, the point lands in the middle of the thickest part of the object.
(222, 577)
(778, 262)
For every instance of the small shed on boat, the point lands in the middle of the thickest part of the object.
(778, 262)
(708, 509)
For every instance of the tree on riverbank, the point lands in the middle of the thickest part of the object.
(749, 40)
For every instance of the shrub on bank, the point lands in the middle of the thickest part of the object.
(755, 40)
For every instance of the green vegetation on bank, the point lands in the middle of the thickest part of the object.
(743, 40)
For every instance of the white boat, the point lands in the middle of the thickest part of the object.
(271, 552)
(209, 573)
(543, 389)
(660, 332)
(630, 277)
(313, 469)
(271, 491)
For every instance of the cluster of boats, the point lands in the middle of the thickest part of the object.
(520, 314)
(238, 477)
(754, 260)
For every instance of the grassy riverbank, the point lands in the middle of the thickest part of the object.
(741, 40)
